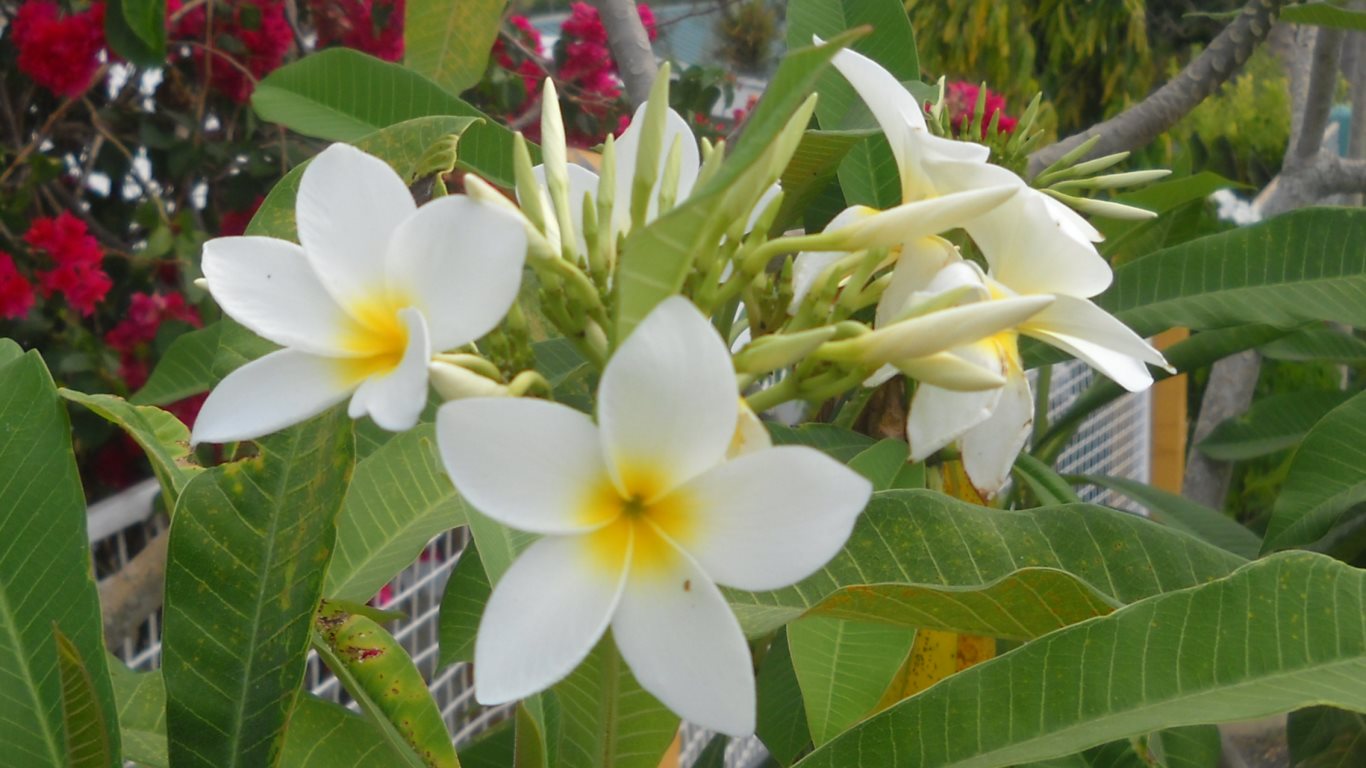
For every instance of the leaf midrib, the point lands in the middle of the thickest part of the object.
(31, 687)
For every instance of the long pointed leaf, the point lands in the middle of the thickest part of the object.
(1278, 634)
(90, 743)
(45, 574)
(922, 559)
(1327, 478)
(244, 572)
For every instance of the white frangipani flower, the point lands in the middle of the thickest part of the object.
(956, 400)
(1058, 241)
(376, 286)
(642, 515)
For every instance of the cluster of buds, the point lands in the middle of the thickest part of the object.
(675, 487)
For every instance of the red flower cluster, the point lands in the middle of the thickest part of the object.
(16, 292)
(261, 38)
(372, 26)
(60, 53)
(514, 60)
(587, 60)
(131, 337)
(961, 98)
(78, 274)
(234, 223)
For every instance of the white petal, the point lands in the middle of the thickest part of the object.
(990, 448)
(930, 216)
(582, 182)
(898, 113)
(529, 464)
(544, 616)
(946, 328)
(939, 416)
(1030, 251)
(268, 286)
(460, 262)
(395, 398)
(348, 207)
(270, 393)
(1072, 222)
(683, 644)
(921, 259)
(771, 518)
(667, 401)
(809, 265)
(628, 146)
(1094, 335)
(750, 434)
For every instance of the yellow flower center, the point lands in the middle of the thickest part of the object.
(638, 520)
(378, 338)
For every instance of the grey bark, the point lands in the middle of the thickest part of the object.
(1228, 393)
(1141, 123)
(132, 594)
(630, 47)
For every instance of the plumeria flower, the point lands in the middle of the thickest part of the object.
(376, 286)
(1060, 242)
(642, 515)
(956, 399)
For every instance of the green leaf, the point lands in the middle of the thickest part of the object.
(45, 574)
(1198, 351)
(1323, 737)
(840, 443)
(658, 257)
(1191, 746)
(1181, 513)
(606, 718)
(923, 559)
(498, 544)
(462, 604)
(714, 755)
(244, 572)
(843, 668)
(812, 167)
(400, 145)
(1043, 482)
(380, 675)
(781, 715)
(186, 369)
(1322, 343)
(1324, 15)
(90, 742)
(531, 746)
(9, 351)
(344, 95)
(868, 174)
(494, 748)
(399, 499)
(159, 434)
(136, 30)
(1306, 265)
(1327, 477)
(326, 735)
(141, 698)
(1278, 634)
(1272, 424)
(450, 42)
(882, 463)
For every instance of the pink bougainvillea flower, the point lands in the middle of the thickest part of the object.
(60, 52)
(78, 274)
(16, 292)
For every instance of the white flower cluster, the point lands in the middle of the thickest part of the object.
(675, 488)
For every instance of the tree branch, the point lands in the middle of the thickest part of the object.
(1318, 100)
(630, 47)
(132, 594)
(1141, 123)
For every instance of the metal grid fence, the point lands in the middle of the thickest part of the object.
(1114, 441)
